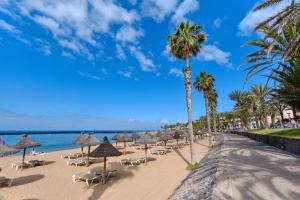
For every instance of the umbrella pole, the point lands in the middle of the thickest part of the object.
(146, 154)
(124, 148)
(23, 159)
(82, 151)
(104, 175)
(88, 157)
(166, 147)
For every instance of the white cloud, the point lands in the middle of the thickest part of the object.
(129, 34)
(213, 53)
(217, 23)
(247, 25)
(158, 9)
(146, 64)
(187, 6)
(74, 22)
(131, 120)
(120, 52)
(175, 71)
(67, 55)
(128, 73)
(8, 27)
(89, 76)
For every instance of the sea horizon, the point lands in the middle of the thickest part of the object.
(59, 140)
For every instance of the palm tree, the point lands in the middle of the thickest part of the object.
(213, 102)
(184, 43)
(242, 106)
(270, 52)
(204, 83)
(261, 92)
(280, 21)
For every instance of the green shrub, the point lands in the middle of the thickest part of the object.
(194, 166)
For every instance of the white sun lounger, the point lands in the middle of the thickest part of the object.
(86, 177)
(131, 161)
(77, 162)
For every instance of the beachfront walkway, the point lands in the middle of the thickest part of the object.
(257, 171)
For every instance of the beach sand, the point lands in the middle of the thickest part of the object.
(155, 181)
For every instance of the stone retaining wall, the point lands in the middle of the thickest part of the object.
(288, 144)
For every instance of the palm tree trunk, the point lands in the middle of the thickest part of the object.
(214, 121)
(207, 117)
(188, 90)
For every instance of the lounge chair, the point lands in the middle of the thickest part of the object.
(131, 161)
(72, 155)
(86, 177)
(19, 165)
(5, 181)
(34, 163)
(77, 162)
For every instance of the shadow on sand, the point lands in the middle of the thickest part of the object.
(123, 172)
(26, 179)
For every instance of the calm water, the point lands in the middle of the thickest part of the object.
(54, 142)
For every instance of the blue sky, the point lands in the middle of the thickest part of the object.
(94, 64)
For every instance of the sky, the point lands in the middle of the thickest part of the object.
(104, 64)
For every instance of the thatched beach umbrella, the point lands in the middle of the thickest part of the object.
(25, 143)
(165, 137)
(124, 139)
(147, 139)
(116, 137)
(177, 136)
(89, 141)
(135, 136)
(7, 150)
(80, 140)
(105, 150)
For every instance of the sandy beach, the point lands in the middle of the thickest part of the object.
(156, 181)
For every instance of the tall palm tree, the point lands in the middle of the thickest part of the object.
(213, 102)
(204, 83)
(184, 43)
(261, 92)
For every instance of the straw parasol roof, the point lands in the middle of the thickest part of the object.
(89, 141)
(26, 142)
(80, 139)
(105, 150)
(116, 137)
(135, 136)
(7, 150)
(124, 138)
(165, 136)
(147, 139)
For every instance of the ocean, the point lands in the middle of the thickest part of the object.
(57, 140)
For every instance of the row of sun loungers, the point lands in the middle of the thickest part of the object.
(77, 162)
(157, 151)
(93, 175)
(132, 161)
(72, 155)
(27, 164)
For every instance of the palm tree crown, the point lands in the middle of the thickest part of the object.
(186, 41)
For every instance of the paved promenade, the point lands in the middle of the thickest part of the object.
(239, 168)
(257, 171)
